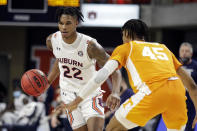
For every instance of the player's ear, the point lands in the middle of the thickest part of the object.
(77, 22)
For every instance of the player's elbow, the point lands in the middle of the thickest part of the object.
(102, 76)
(107, 70)
(192, 87)
(118, 73)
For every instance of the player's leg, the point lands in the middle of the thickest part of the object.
(93, 112)
(119, 121)
(95, 124)
(139, 109)
(128, 113)
(175, 115)
(115, 125)
(83, 128)
(76, 119)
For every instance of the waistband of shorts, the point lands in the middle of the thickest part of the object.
(173, 78)
(67, 90)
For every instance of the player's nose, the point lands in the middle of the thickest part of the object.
(64, 27)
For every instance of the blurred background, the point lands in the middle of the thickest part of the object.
(25, 24)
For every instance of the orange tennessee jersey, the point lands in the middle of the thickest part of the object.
(146, 62)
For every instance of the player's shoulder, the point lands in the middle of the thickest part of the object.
(55, 35)
(122, 49)
(51, 38)
(86, 37)
(124, 46)
(90, 41)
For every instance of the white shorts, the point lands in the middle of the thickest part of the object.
(89, 107)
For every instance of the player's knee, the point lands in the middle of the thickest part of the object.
(101, 76)
(95, 124)
(109, 127)
(112, 124)
(94, 127)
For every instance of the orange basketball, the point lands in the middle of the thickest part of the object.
(34, 82)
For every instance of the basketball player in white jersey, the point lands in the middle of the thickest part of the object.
(76, 56)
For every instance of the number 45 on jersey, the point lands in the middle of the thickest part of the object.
(154, 53)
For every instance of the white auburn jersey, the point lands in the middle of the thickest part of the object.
(76, 68)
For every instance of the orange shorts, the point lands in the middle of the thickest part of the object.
(168, 100)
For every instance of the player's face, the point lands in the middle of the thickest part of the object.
(185, 52)
(125, 37)
(67, 25)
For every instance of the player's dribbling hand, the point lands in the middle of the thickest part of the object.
(67, 107)
(113, 101)
(194, 122)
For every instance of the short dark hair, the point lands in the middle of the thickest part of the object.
(72, 11)
(136, 27)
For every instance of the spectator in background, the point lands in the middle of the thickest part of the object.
(28, 115)
(185, 54)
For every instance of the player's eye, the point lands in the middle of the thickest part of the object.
(61, 23)
(68, 23)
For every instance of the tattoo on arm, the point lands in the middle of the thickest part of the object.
(97, 52)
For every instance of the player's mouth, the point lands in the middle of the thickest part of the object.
(64, 33)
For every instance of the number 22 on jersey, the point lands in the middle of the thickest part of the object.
(154, 53)
(74, 74)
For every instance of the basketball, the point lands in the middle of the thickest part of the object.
(34, 82)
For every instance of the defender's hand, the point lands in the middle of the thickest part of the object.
(73, 105)
(58, 109)
(113, 101)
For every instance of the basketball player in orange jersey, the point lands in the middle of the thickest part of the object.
(156, 77)
(76, 56)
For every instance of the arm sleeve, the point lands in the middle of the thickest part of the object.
(98, 78)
